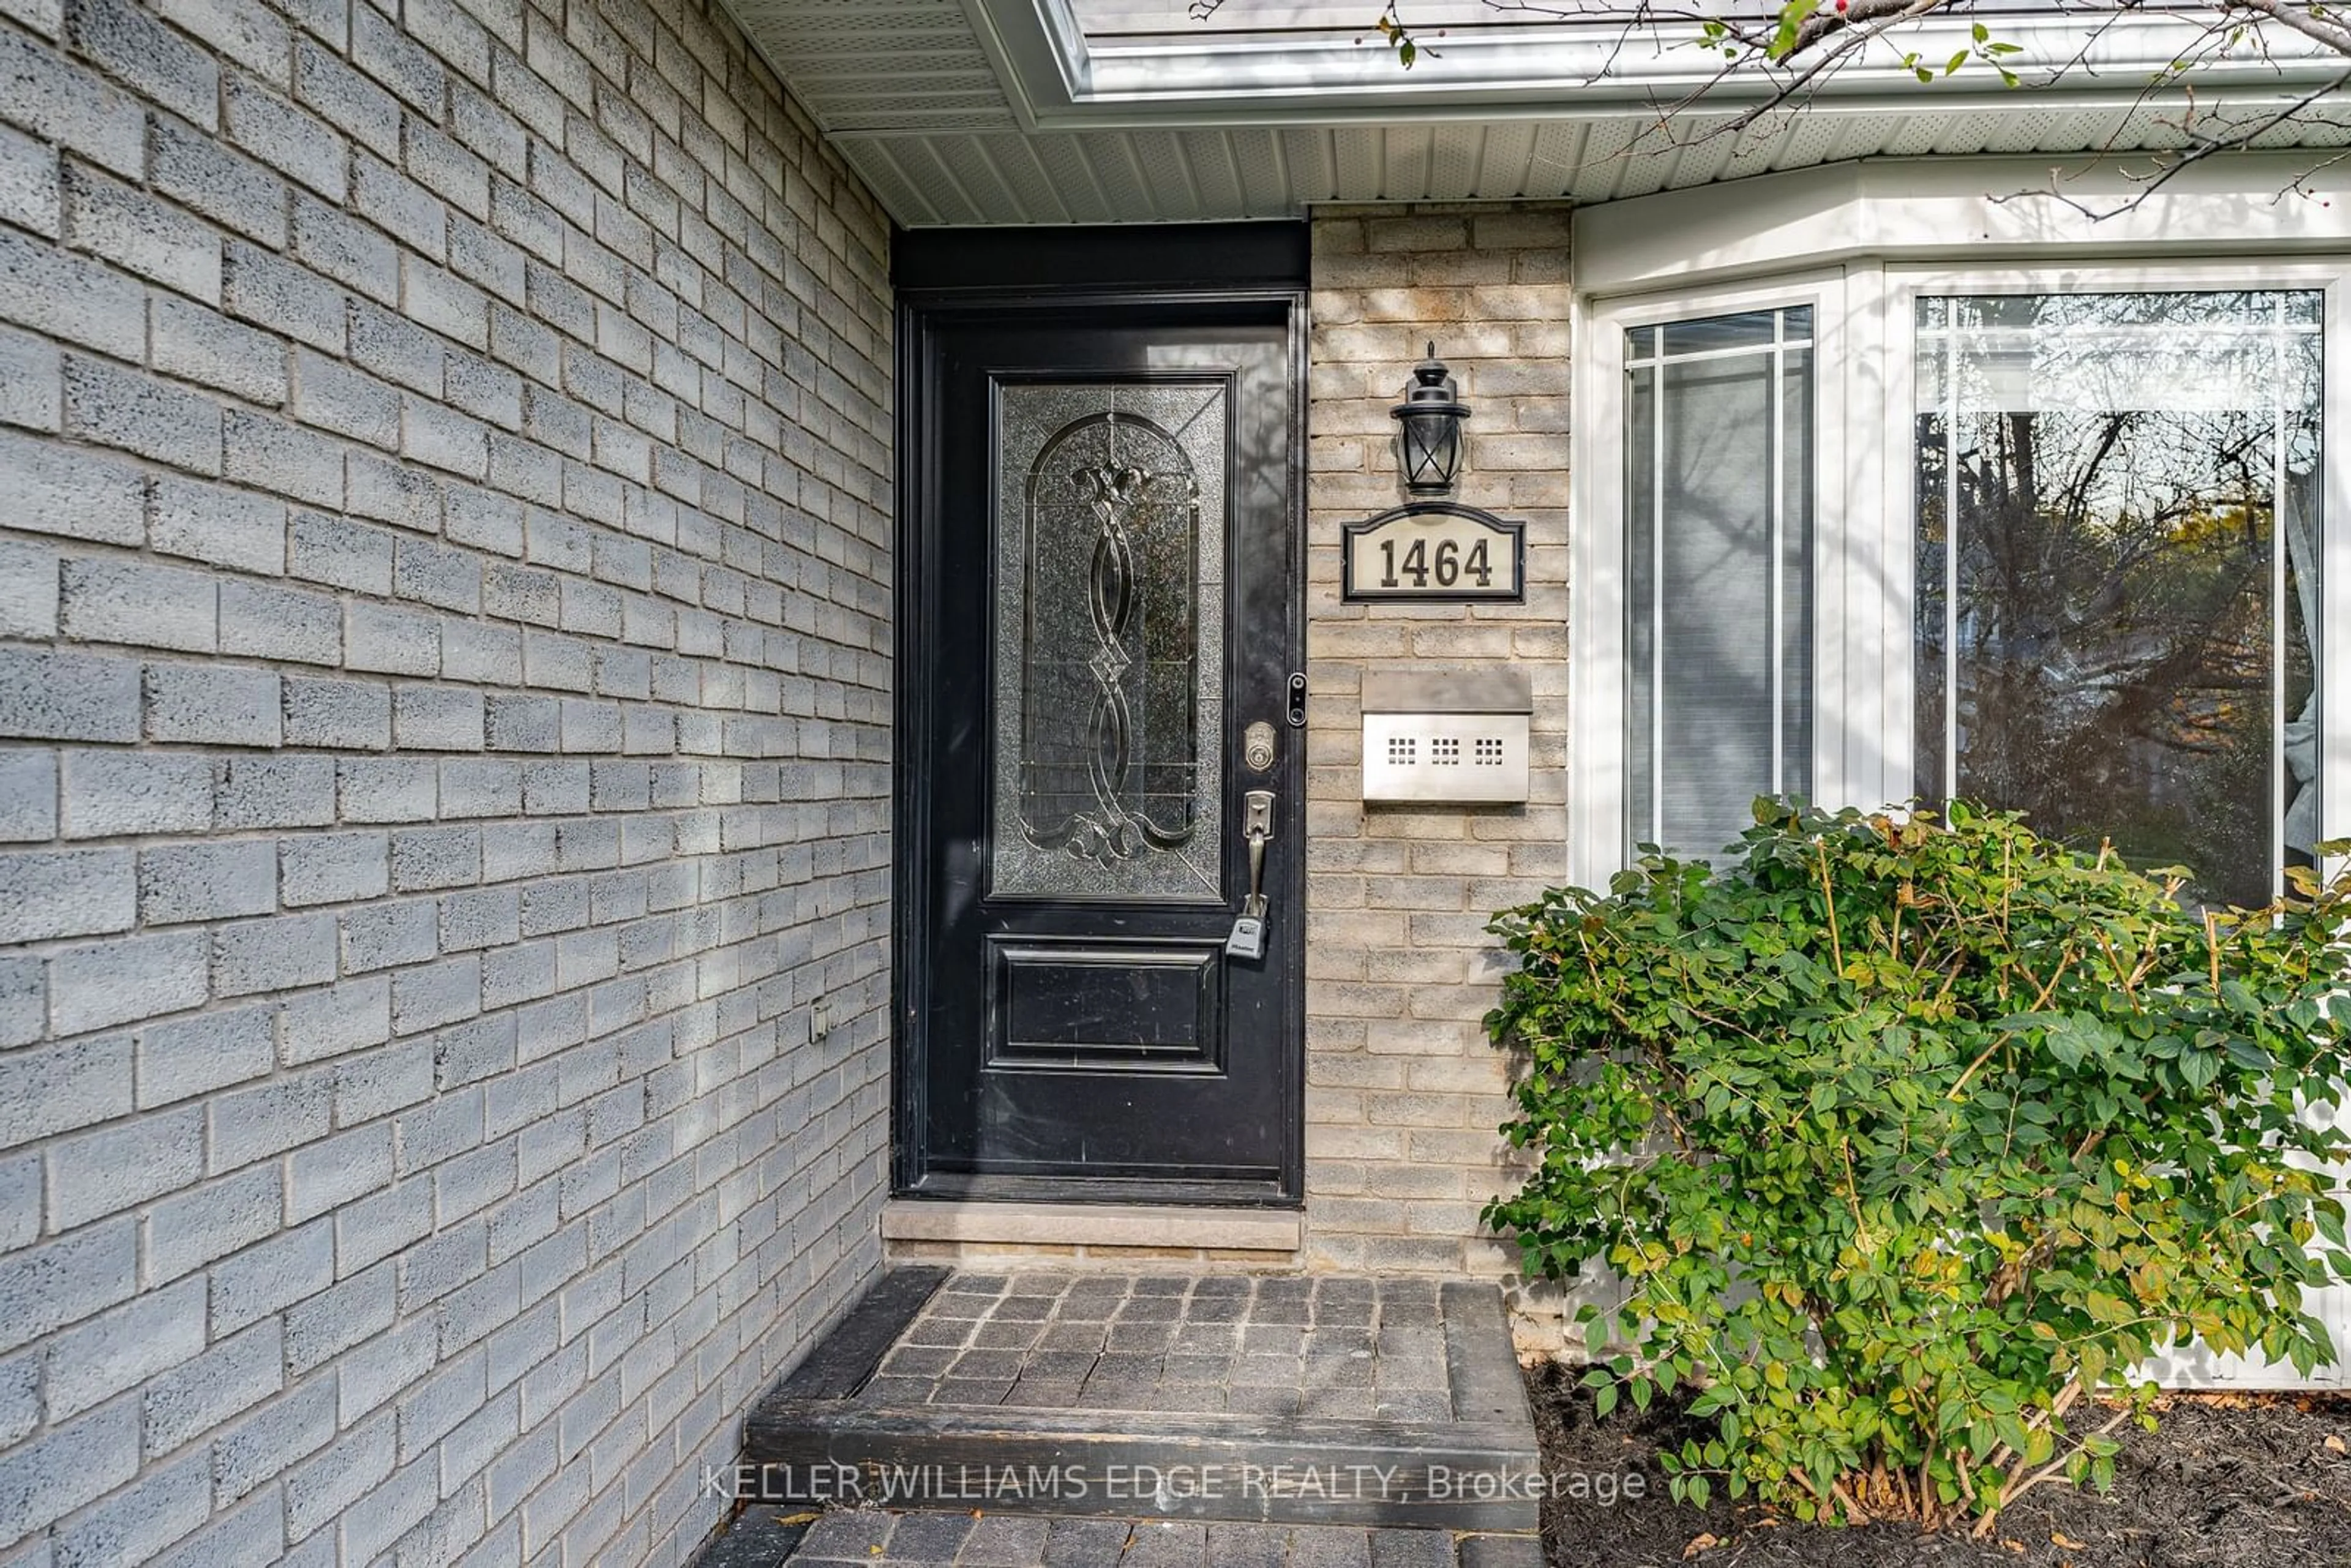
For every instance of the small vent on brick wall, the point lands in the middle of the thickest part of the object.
(1489, 752)
(1446, 751)
(1401, 750)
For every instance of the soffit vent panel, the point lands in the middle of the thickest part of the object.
(1073, 177)
(1504, 156)
(1362, 159)
(1265, 183)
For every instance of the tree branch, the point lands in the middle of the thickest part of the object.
(1796, 48)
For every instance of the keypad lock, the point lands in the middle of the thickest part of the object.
(1248, 938)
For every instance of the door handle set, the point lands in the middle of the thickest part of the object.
(1248, 938)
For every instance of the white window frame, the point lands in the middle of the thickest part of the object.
(1886, 243)
(1599, 675)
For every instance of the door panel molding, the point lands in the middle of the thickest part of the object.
(1063, 1030)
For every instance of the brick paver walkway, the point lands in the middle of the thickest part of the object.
(938, 1539)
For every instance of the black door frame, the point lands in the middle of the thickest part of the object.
(958, 274)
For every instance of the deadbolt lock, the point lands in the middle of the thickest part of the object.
(1257, 747)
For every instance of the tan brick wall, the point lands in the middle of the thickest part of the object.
(1403, 1091)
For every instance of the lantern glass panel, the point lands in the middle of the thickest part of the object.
(1432, 450)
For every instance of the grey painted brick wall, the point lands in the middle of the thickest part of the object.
(443, 750)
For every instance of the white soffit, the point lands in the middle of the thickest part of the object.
(968, 112)
(886, 67)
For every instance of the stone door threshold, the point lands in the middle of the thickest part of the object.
(1095, 1225)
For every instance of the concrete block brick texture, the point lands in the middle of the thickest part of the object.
(445, 715)
(1404, 1091)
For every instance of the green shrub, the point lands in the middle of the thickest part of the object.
(1904, 1135)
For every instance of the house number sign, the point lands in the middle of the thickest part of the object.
(1439, 551)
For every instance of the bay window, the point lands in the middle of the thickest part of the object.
(2042, 534)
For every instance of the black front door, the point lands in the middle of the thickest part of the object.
(1100, 581)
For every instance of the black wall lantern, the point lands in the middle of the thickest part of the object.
(1431, 415)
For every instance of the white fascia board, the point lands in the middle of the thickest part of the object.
(1066, 81)
(1925, 209)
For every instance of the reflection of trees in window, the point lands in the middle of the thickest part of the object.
(2121, 631)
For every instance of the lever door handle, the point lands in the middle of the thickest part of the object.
(1248, 938)
(1256, 826)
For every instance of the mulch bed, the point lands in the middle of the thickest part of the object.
(2228, 1481)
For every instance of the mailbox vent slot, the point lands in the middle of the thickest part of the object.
(1446, 736)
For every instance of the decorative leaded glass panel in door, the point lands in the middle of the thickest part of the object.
(1109, 532)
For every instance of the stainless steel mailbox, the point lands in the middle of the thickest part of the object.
(1439, 735)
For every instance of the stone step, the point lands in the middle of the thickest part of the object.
(1379, 1403)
